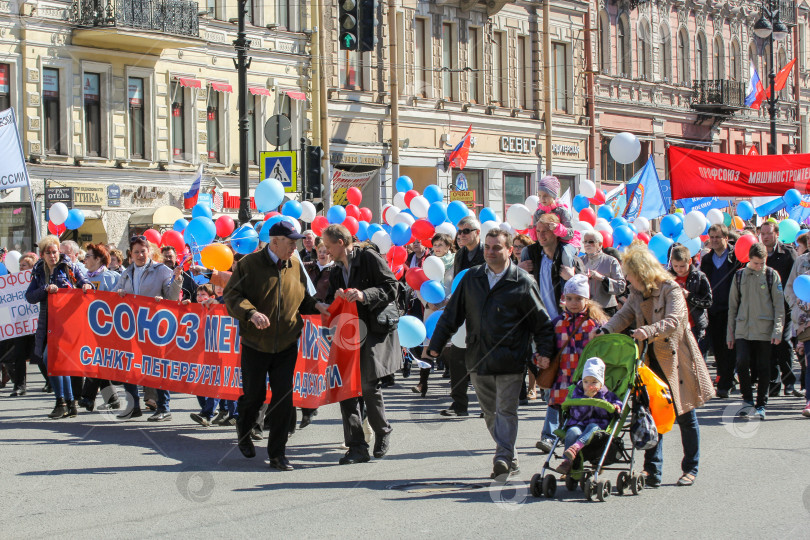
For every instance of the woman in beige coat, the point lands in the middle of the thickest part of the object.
(657, 310)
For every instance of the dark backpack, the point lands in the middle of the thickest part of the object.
(768, 279)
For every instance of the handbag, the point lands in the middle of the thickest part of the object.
(546, 377)
(643, 432)
(387, 320)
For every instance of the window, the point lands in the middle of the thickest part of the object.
(616, 172)
(50, 102)
(559, 81)
(5, 97)
(91, 88)
(718, 54)
(701, 67)
(283, 14)
(475, 183)
(253, 121)
(498, 71)
(784, 93)
(683, 57)
(523, 73)
(753, 57)
(734, 64)
(211, 7)
(286, 110)
(351, 70)
(665, 52)
(447, 61)
(178, 122)
(739, 147)
(623, 51)
(474, 63)
(802, 61)
(137, 129)
(420, 58)
(644, 57)
(604, 42)
(212, 126)
(251, 13)
(515, 189)
(786, 149)
(766, 52)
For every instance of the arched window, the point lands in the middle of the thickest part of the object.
(625, 64)
(683, 57)
(735, 66)
(665, 54)
(604, 42)
(753, 57)
(701, 66)
(718, 56)
(644, 50)
(784, 93)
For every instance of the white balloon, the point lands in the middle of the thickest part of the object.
(642, 224)
(519, 217)
(532, 201)
(12, 261)
(382, 241)
(308, 211)
(603, 225)
(419, 206)
(459, 339)
(434, 268)
(391, 215)
(715, 216)
(294, 222)
(583, 226)
(508, 228)
(488, 226)
(587, 188)
(402, 217)
(694, 223)
(399, 201)
(58, 213)
(625, 148)
(446, 228)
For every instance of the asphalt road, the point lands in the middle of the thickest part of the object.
(96, 477)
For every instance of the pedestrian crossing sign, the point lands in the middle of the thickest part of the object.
(282, 166)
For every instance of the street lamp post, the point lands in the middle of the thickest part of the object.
(771, 28)
(242, 63)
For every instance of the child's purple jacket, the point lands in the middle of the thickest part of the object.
(582, 415)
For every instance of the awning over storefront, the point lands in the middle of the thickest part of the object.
(160, 216)
(297, 96)
(259, 91)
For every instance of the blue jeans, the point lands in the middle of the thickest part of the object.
(208, 405)
(62, 388)
(577, 433)
(229, 405)
(690, 439)
(807, 371)
(551, 423)
(163, 397)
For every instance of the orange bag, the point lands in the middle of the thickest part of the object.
(661, 405)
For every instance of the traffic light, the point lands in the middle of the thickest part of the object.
(348, 25)
(314, 172)
(368, 25)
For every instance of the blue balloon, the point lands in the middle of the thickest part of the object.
(671, 226)
(400, 234)
(201, 279)
(3, 269)
(580, 203)
(409, 212)
(244, 240)
(362, 231)
(437, 213)
(268, 195)
(201, 210)
(75, 219)
(801, 286)
(336, 215)
(264, 234)
(487, 214)
(605, 212)
(387, 228)
(433, 193)
(633, 228)
(456, 281)
(258, 226)
(430, 323)
(432, 291)
(200, 232)
(411, 331)
(404, 183)
(792, 198)
(622, 235)
(456, 211)
(374, 227)
(292, 209)
(180, 225)
(659, 245)
(745, 210)
(617, 222)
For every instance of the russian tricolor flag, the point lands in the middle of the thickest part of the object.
(190, 196)
(755, 92)
(458, 157)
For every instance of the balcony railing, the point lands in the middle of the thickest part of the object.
(787, 13)
(178, 17)
(718, 93)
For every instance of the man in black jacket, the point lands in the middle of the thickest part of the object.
(781, 258)
(189, 291)
(719, 265)
(503, 312)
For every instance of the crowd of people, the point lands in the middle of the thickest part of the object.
(523, 300)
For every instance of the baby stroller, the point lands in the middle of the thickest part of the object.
(606, 450)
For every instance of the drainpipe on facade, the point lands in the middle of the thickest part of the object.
(547, 80)
(394, 91)
(326, 169)
(591, 97)
(315, 78)
(534, 30)
(796, 87)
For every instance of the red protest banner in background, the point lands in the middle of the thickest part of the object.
(191, 349)
(696, 173)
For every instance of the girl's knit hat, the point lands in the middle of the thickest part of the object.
(551, 185)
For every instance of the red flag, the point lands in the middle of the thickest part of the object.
(458, 157)
(779, 81)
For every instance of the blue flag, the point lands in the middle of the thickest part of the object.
(644, 194)
(704, 204)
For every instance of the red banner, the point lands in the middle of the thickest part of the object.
(191, 349)
(695, 173)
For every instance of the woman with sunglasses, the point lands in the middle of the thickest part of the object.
(604, 272)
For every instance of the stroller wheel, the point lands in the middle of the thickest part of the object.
(636, 483)
(622, 482)
(570, 483)
(602, 490)
(588, 488)
(549, 486)
(535, 486)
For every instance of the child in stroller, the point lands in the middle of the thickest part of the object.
(584, 420)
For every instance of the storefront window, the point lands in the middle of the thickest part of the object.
(470, 180)
(616, 172)
(515, 189)
(16, 227)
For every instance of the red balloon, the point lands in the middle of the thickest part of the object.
(644, 237)
(152, 235)
(742, 246)
(414, 277)
(607, 239)
(409, 195)
(56, 229)
(422, 230)
(319, 224)
(173, 239)
(598, 198)
(225, 226)
(396, 256)
(366, 215)
(353, 211)
(354, 195)
(268, 215)
(588, 216)
(351, 224)
(399, 272)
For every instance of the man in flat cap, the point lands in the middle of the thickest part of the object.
(267, 294)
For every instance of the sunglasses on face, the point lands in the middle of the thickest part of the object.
(137, 238)
(589, 242)
(466, 231)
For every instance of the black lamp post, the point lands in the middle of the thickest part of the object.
(771, 28)
(242, 63)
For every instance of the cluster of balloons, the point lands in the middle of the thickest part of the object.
(62, 219)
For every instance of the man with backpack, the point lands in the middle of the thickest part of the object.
(756, 311)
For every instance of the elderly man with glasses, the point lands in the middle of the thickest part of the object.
(604, 272)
